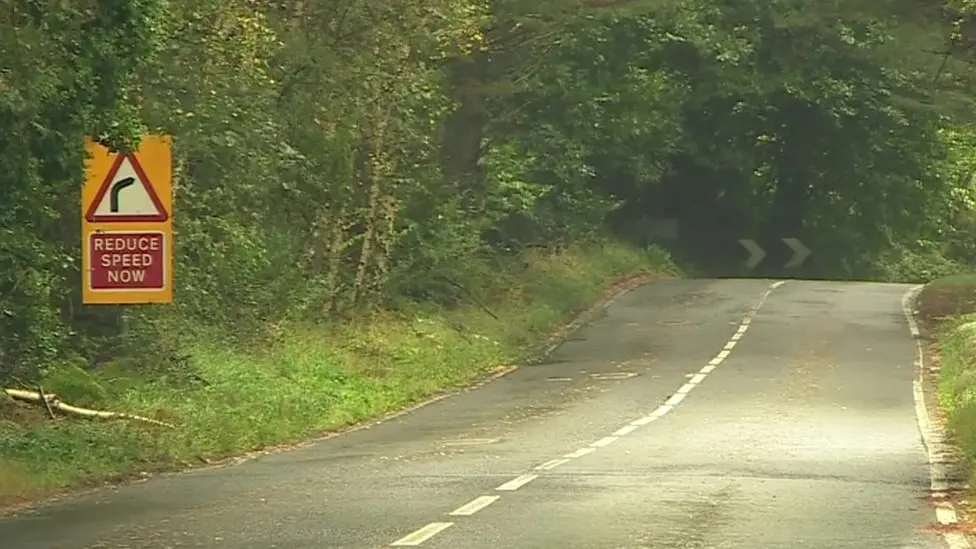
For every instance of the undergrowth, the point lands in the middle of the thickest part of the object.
(311, 378)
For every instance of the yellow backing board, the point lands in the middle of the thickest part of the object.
(127, 224)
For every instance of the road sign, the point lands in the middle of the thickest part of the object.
(757, 254)
(126, 195)
(123, 260)
(127, 233)
(800, 252)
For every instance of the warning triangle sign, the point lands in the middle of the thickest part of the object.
(126, 195)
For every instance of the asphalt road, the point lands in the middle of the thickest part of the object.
(724, 414)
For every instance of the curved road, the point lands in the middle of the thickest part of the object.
(724, 414)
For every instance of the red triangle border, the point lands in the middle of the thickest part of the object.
(92, 217)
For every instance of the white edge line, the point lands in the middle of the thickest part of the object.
(474, 506)
(421, 535)
(517, 483)
(945, 514)
(956, 540)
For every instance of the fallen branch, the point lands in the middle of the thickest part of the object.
(47, 402)
(52, 402)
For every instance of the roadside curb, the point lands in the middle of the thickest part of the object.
(948, 472)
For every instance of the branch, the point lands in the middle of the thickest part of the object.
(52, 402)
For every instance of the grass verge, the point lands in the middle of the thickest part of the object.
(313, 379)
(947, 316)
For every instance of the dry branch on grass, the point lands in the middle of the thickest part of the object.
(52, 402)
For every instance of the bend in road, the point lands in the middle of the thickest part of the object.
(802, 435)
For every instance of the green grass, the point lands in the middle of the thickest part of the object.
(957, 381)
(313, 379)
(947, 311)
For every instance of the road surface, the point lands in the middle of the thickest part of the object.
(724, 414)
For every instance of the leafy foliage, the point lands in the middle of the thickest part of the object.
(335, 158)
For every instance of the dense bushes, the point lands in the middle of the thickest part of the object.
(335, 160)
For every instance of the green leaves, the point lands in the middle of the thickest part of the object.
(330, 154)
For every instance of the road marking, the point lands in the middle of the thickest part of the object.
(605, 441)
(675, 399)
(932, 438)
(660, 411)
(474, 506)
(419, 536)
(517, 483)
(552, 464)
(580, 453)
(468, 441)
(613, 375)
(946, 515)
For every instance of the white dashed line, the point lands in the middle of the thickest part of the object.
(675, 399)
(552, 464)
(580, 453)
(422, 535)
(660, 411)
(474, 506)
(605, 441)
(516, 483)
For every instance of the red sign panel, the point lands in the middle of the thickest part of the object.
(127, 260)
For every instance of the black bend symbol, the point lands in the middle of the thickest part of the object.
(113, 198)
